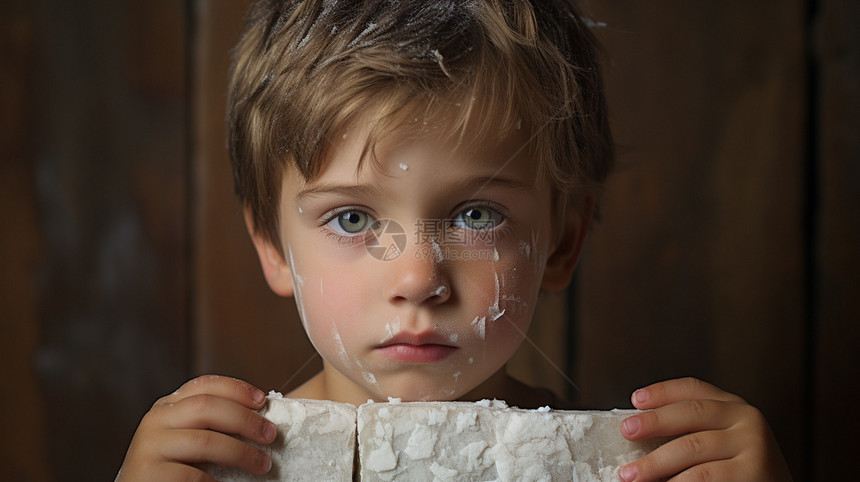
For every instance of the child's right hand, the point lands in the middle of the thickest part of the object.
(192, 425)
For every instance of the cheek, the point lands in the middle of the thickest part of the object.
(333, 301)
(521, 278)
(504, 295)
(521, 269)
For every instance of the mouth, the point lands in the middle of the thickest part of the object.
(417, 348)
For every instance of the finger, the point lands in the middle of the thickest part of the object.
(230, 388)
(679, 455)
(717, 470)
(199, 446)
(180, 473)
(219, 414)
(680, 418)
(671, 391)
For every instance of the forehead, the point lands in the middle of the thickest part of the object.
(476, 134)
(428, 150)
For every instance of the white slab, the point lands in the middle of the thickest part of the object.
(316, 441)
(460, 441)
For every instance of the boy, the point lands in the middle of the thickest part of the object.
(413, 173)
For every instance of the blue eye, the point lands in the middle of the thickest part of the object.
(351, 222)
(478, 218)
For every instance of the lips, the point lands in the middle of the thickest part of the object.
(416, 347)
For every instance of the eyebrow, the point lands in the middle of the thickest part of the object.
(367, 190)
(364, 190)
(482, 182)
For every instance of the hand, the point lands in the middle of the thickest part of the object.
(721, 436)
(192, 425)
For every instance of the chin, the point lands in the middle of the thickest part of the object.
(423, 391)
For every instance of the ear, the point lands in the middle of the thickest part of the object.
(276, 270)
(565, 254)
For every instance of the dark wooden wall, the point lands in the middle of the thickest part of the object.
(95, 228)
(699, 266)
(728, 247)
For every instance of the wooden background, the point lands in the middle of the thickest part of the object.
(728, 248)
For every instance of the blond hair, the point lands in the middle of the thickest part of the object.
(304, 70)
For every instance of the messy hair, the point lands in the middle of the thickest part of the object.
(305, 70)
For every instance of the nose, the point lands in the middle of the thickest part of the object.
(417, 277)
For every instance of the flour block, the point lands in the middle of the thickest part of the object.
(460, 441)
(316, 441)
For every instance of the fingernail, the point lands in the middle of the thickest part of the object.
(640, 396)
(269, 431)
(263, 460)
(632, 425)
(259, 397)
(629, 473)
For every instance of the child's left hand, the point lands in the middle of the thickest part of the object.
(720, 436)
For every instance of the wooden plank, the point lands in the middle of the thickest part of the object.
(104, 162)
(837, 276)
(241, 328)
(21, 408)
(697, 267)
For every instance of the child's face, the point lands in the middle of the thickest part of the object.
(446, 305)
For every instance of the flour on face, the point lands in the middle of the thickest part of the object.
(437, 250)
(493, 312)
(480, 326)
(341, 350)
(391, 329)
(298, 283)
(367, 375)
